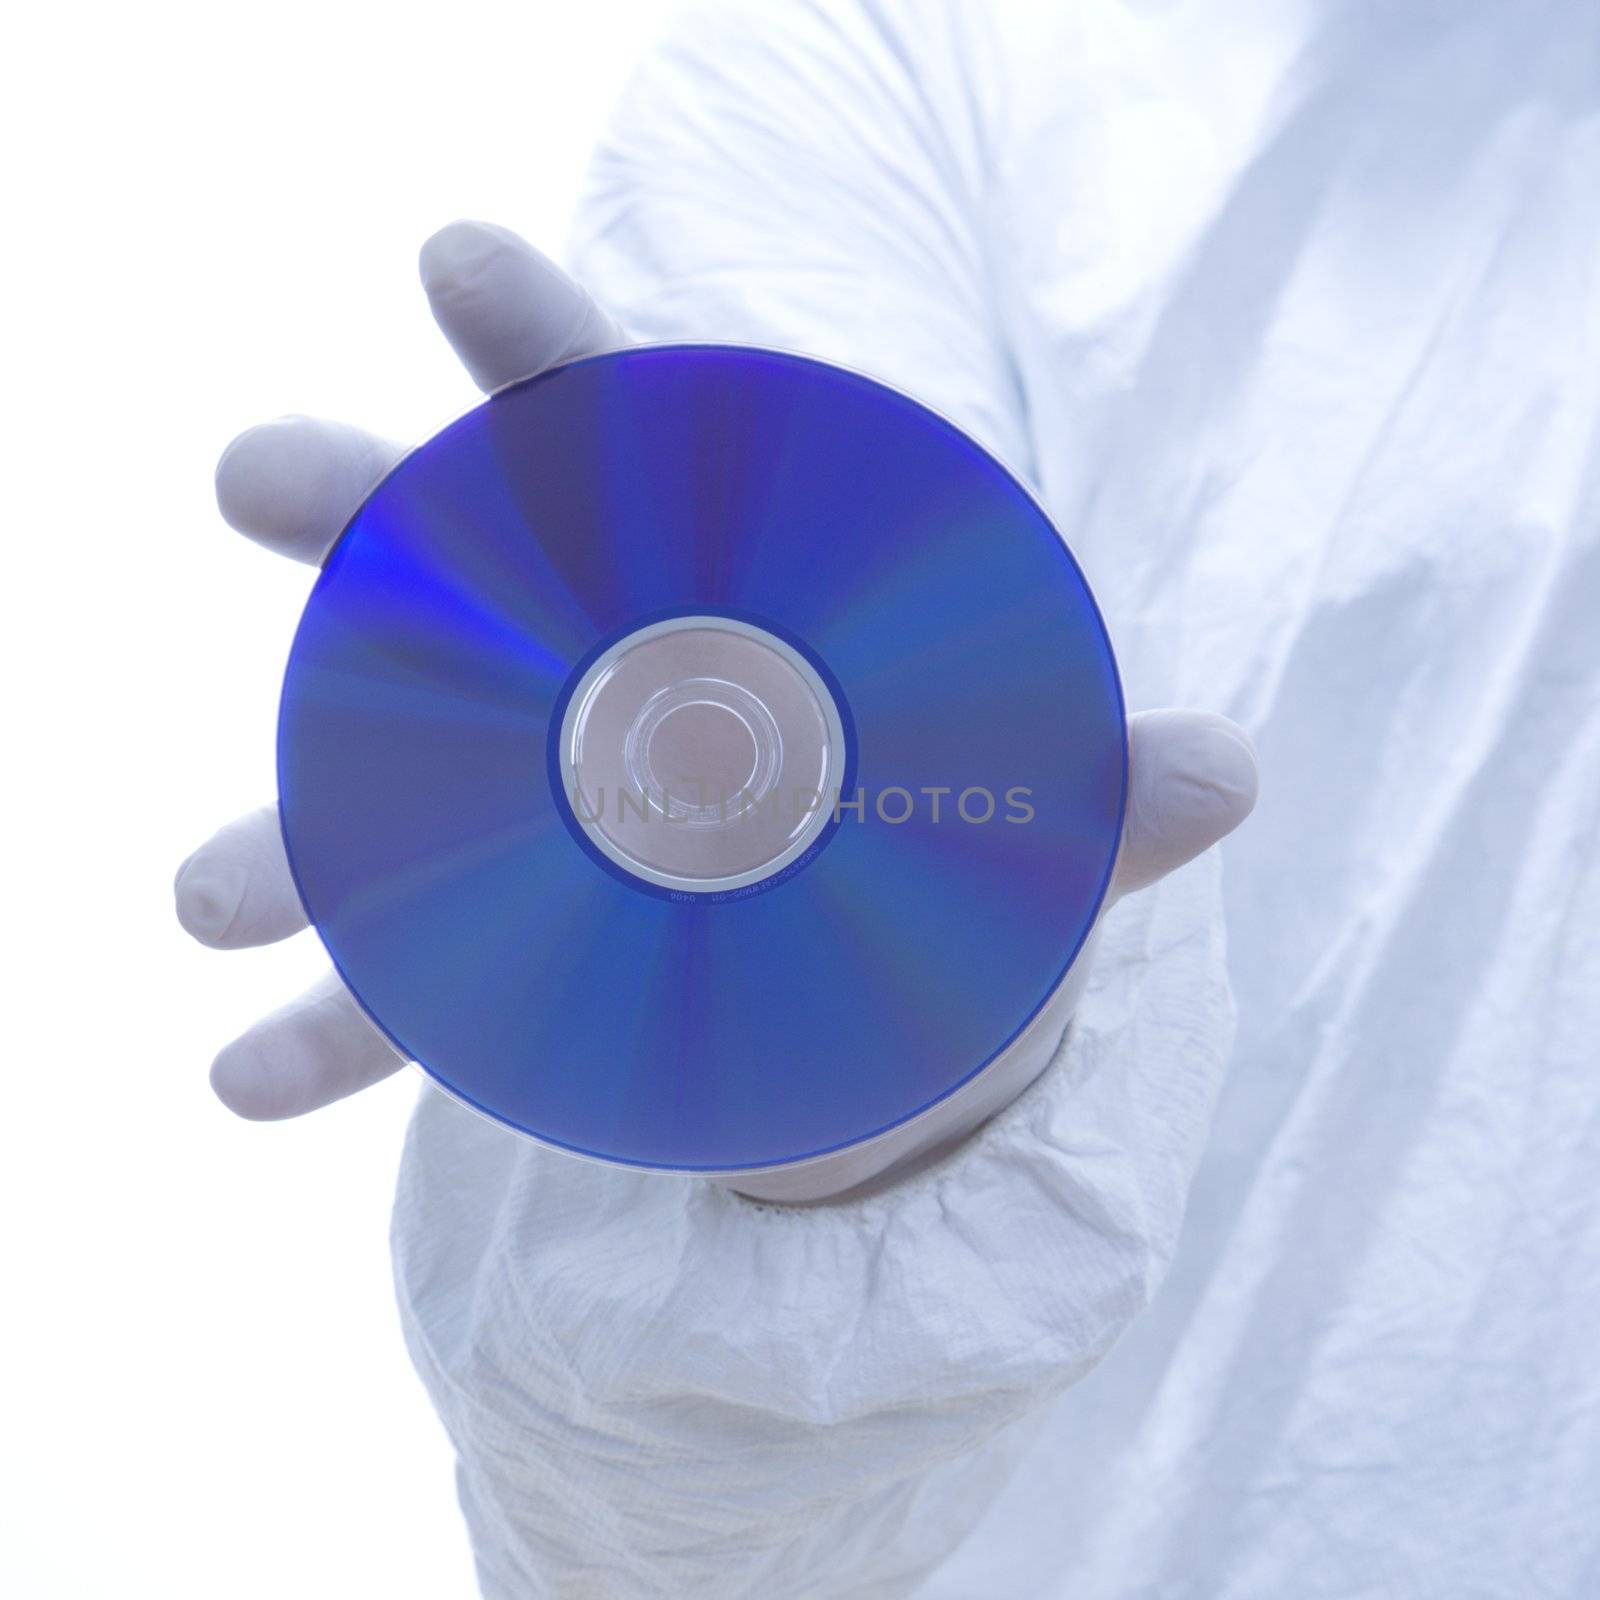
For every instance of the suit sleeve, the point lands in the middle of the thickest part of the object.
(813, 176)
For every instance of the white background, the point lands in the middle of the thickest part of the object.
(213, 215)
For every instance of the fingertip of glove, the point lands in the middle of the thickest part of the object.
(1202, 755)
(258, 486)
(1227, 764)
(207, 896)
(1194, 780)
(456, 255)
(241, 1080)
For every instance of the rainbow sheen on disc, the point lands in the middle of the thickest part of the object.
(648, 566)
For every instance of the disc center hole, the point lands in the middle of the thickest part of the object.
(703, 747)
(703, 751)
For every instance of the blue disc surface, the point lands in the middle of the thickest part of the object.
(533, 979)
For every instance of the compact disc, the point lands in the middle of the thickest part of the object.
(701, 757)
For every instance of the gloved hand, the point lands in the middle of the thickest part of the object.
(653, 1386)
(292, 484)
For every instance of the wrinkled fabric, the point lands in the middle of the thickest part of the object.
(658, 1387)
(1291, 312)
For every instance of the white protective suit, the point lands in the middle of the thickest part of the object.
(1292, 314)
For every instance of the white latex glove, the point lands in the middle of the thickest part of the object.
(292, 484)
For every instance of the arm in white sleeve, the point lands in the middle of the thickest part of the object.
(657, 1387)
